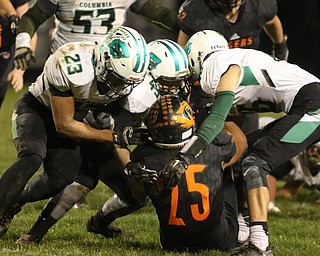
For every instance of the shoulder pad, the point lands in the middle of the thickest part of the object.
(71, 64)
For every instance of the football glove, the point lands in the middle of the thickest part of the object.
(14, 21)
(174, 170)
(23, 57)
(130, 136)
(140, 173)
(100, 121)
(281, 51)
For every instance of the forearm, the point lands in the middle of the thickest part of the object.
(214, 123)
(7, 7)
(155, 12)
(239, 139)
(78, 130)
(274, 30)
(30, 22)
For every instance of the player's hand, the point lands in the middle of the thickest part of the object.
(15, 78)
(14, 21)
(140, 173)
(23, 57)
(100, 120)
(174, 170)
(281, 50)
(130, 136)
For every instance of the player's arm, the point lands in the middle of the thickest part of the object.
(155, 12)
(28, 26)
(7, 6)
(15, 77)
(214, 123)
(239, 139)
(274, 30)
(63, 113)
(183, 38)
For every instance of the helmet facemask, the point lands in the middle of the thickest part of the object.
(168, 85)
(121, 60)
(169, 67)
(112, 84)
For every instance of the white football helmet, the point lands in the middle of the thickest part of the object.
(200, 45)
(121, 61)
(169, 67)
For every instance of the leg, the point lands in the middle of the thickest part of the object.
(55, 209)
(254, 170)
(29, 136)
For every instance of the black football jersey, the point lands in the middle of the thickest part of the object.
(195, 15)
(194, 208)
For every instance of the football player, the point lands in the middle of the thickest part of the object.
(199, 213)
(47, 120)
(241, 23)
(250, 80)
(79, 21)
(168, 73)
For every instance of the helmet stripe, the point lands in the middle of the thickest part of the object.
(182, 52)
(138, 46)
(176, 61)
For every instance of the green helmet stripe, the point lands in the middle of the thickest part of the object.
(136, 67)
(176, 60)
(185, 60)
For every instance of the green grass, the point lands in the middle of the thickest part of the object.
(294, 232)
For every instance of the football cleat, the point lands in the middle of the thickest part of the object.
(252, 250)
(7, 218)
(273, 208)
(29, 239)
(109, 231)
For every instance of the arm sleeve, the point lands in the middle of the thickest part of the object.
(155, 12)
(32, 19)
(214, 123)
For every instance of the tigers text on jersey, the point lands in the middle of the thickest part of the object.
(71, 68)
(195, 15)
(80, 20)
(265, 84)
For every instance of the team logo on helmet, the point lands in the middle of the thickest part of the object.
(118, 49)
(154, 61)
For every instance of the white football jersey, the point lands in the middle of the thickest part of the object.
(142, 96)
(265, 84)
(78, 20)
(71, 68)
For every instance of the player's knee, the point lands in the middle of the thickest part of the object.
(255, 170)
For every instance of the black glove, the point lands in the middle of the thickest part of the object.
(281, 50)
(14, 21)
(174, 170)
(22, 58)
(101, 120)
(140, 173)
(130, 136)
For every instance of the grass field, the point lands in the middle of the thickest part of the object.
(294, 232)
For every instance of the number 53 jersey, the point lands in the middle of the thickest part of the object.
(81, 20)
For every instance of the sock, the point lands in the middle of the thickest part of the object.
(259, 235)
(41, 226)
(243, 220)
